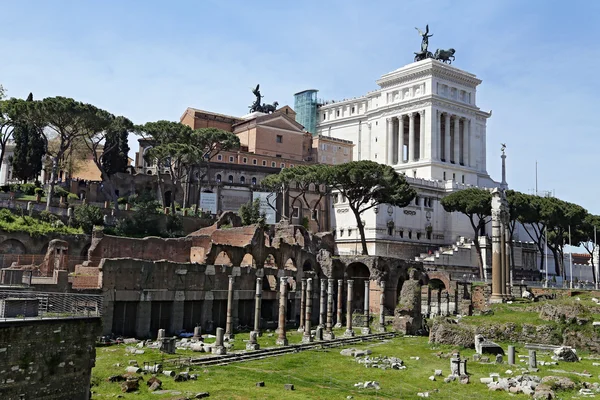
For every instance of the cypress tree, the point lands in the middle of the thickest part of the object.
(116, 147)
(30, 148)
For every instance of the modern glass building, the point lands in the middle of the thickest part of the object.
(305, 105)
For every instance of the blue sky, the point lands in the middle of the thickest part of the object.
(149, 60)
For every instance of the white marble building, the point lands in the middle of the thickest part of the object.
(424, 121)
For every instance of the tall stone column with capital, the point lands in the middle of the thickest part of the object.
(436, 136)
(306, 337)
(329, 335)
(447, 137)
(502, 257)
(466, 134)
(456, 158)
(496, 248)
(340, 303)
(382, 307)
(401, 139)
(367, 316)
(349, 332)
(411, 137)
(302, 305)
(282, 338)
(508, 272)
(323, 303)
(390, 141)
(422, 135)
(252, 344)
(228, 323)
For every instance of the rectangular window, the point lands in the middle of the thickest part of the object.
(254, 162)
(219, 157)
(279, 138)
(352, 110)
(315, 215)
(324, 116)
(264, 163)
(463, 179)
(278, 155)
(230, 158)
(337, 113)
(245, 160)
(273, 164)
(295, 212)
(282, 165)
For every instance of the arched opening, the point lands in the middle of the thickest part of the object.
(290, 265)
(223, 259)
(360, 274)
(12, 246)
(437, 298)
(253, 181)
(307, 266)
(270, 262)
(243, 180)
(218, 178)
(230, 179)
(168, 198)
(248, 261)
(149, 172)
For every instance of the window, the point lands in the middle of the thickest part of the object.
(230, 179)
(278, 155)
(416, 200)
(220, 157)
(349, 232)
(218, 178)
(279, 138)
(345, 151)
(429, 235)
(324, 116)
(337, 114)
(273, 164)
(291, 165)
(453, 176)
(254, 162)
(315, 217)
(414, 173)
(335, 198)
(295, 212)
(375, 155)
(264, 163)
(254, 181)
(410, 234)
(463, 179)
(242, 180)
(444, 175)
(352, 111)
(282, 165)
(401, 234)
(375, 139)
(341, 232)
(390, 229)
(376, 123)
(245, 160)
(418, 235)
(230, 158)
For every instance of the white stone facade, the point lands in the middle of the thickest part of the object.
(424, 121)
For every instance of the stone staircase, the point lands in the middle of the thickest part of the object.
(461, 253)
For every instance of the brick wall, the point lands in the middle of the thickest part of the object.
(47, 359)
(480, 295)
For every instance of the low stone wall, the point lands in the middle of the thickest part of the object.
(47, 359)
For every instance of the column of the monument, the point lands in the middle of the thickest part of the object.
(329, 324)
(323, 303)
(422, 135)
(349, 294)
(366, 330)
(466, 133)
(509, 277)
(282, 339)
(382, 307)
(390, 141)
(502, 259)
(447, 137)
(401, 139)
(456, 139)
(340, 304)
(252, 344)
(302, 305)
(306, 337)
(496, 257)
(228, 323)
(411, 137)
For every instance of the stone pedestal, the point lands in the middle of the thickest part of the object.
(302, 305)
(306, 336)
(329, 335)
(282, 338)
(340, 303)
(228, 323)
(160, 336)
(218, 347)
(349, 332)
(197, 333)
(252, 344)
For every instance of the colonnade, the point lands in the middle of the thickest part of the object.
(454, 139)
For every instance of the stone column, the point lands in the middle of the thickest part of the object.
(411, 137)
(340, 303)
(366, 330)
(496, 251)
(302, 305)
(422, 135)
(349, 294)
(329, 335)
(532, 359)
(437, 137)
(228, 323)
(401, 139)
(382, 307)
(502, 259)
(511, 355)
(456, 139)
(508, 270)
(466, 133)
(252, 344)
(322, 303)
(390, 141)
(306, 337)
(282, 339)
(218, 347)
(447, 137)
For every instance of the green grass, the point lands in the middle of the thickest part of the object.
(324, 374)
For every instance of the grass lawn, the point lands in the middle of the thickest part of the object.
(325, 374)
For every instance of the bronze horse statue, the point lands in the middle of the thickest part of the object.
(445, 56)
(270, 108)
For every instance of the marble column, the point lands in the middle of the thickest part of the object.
(323, 303)
(401, 139)
(349, 294)
(390, 141)
(437, 137)
(508, 271)
(502, 259)
(302, 305)
(422, 135)
(228, 324)
(496, 257)
(218, 347)
(282, 339)
(252, 343)
(466, 133)
(456, 139)
(340, 303)
(411, 137)
(306, 337)
(382, 307)
(329, 324)
(447, 137)
(366, 330)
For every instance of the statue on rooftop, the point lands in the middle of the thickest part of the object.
(424, 53)
(264, 108)
(445, 56)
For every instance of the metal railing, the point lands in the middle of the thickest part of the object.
(16, 305)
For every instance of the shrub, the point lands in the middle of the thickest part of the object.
(72, 196)
(87, 216)
(250, 213)
(123, 200)
(39, 191)
(5, 188)
(14, 187)
(27, 188)
(60, 191)
(47, 216)
(6, 215)
(174, 226)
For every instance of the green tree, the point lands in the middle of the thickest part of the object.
(12, 112)
(144, 220)
(367, 184)
(87, 216)
(588, 231)
(476, 204)
(250, 213)
(30, 148)
(303, 181)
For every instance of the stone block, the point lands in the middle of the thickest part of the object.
(288, 386)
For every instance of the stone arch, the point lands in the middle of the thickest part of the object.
(290, 265)
(248, 261)
(359, 273)
(444, 278)
(12, 246)
(270, 261)
(223, 259)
